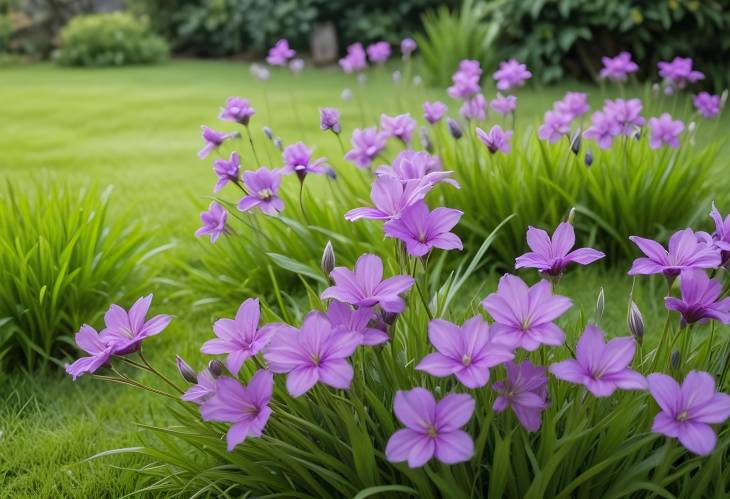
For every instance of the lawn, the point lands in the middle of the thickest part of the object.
(138, 130)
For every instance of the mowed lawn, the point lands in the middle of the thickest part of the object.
(138, 129)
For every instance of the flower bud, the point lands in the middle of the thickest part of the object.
(328, 259)
(723, 99)
(575, 142)
(187, 372)
(278, 144)
(636, 323)
(216, 367)
(269, 134)
(425, 141)
(655, 88)
(417, 80)
(346, 94)
(454, 128)
(571, 216)
(600, 305)
(397, 76)
(669, 90)
(675, 360)
(589, 157)
(362, 78)
(691, 127)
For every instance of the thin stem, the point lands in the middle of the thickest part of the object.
(158, 373)
(339, 141)
(253, 148)
(132, 383)
(301, 201)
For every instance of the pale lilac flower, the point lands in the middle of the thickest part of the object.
(626, 113)
(400, 127)
(604, 128)
(707, 105)
(127, 329)
(418, 165)
(212, 140)
(365, 286)
(390, 196)
(226, 171)
(504, 104)
(434, 111)
(262, 186)
(474, 108)
(699, 301)
(465, 80)
(329, 119)
(214, 222)
(237, 110)
(467, 352)
(346, 320)
(685, 252)
(298, 159)
(203, 390)
(523, 317)
(379, 52)
(721, 236)
(100, 349)
(525, 391)
(554, 127)
(496, 139)
(260, 72)
(679, 71)
(619, 67)
(355, 60)
(687, 411)
(280, 53)
(407, 47)
(431, 429)
(552, 256)
(296, 65)
(421, 230)
(470, 67)
(573, 104)
(511, 74)
(367, 143)
(601, 367)
(314, 353)
(246, 408)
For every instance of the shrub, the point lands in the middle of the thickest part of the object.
(62, 260)
(114, 39)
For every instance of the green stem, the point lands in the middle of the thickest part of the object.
(253, 148)
(158, 373)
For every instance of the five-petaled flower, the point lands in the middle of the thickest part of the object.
(700, 298)
(525, 391)
(262, 186)
(422, 230)
(127, 329)
(214, 222)
(685, 251)
(552, 256)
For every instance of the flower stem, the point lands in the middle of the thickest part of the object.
(158, 373)
(253, 148)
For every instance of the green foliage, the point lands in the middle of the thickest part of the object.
(63, 261)
(114, 39)
(6, 32)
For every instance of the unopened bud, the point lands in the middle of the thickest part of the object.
(216, 368)
(346, 94)
(669, 90)
(328, 259)
(425, 141)
(417, 80)
(588, 158)
(723, 99)
(278, 144)
(269, 134)
(397, 76)
(454, 128)
(675, 360)
(636, 323)
(600, 305)
(655, 88)
(691, 127)
(187, 372)
(575, 142)
(571, 216)
(362, 78)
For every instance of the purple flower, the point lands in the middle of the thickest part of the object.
(496, 139)
(619, 67)
(400, 127)
(260, 72)
(422, 230)
(298, 159)
(687, 411)
(431, 429)
(699, 301)
(314, 353)
(241, 337)
(574, 104)
(523, 317)
(127, 330)
(470, 67)
(721, 236)
(626, 113)
(434, 111)
(417, 165)
(203, 390)
(212, 140)
(390, 197)
(554, 127)
(296, 65)
(407, 47)
(504, 104)
(214, 222)
(367, 143)
(466, 352)
(465, 80)
(525, 391)
(329, 119)
(604, 128)
(226, 171)
(237, 110)
(280, 53)
(552, 256)
(379, 52)
(100, 349)
(355, 60)
(601, 367)
(365, 286)
(262, 186)
(511, 74)
(707, 105)
(679, 71)
(346, 320)
(685, 252)
(474, 108)
(246, 408)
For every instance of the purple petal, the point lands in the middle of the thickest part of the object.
(652, 249)
(237, 433)
(415, 408)
(301, 379)
(539, 241)
(665, 391)
(445, 336)
(437, 364)
(454, 447)
(454, 411)
(697, 437)
(336, 373)
(563, 239)
(714, 411)
(400, 444)
(666, 425)
(584, 256)
(569, 370)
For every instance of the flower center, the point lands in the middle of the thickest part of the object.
(265, 194)
(682, 416)
(315, 359)
(431, 431)
(466, 360)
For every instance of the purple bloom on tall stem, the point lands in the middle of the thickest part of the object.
(504, 104)
(685, 252)
(390, 196)
(329, 119)
(431, 428)
(525, 391)
(679, 71)
(554, 127)
(237, 110)
(421, 230)
(298, 159)
(367, 143)
(213, 140)
(699, 302)
(127, 329)
(496, 139)
(355, 60)
(626, 113)
(296, 65)
(100, 350)
(707, 105)
(523, 317)
(246, 408)
(400, 127)
(379, 52)
(619, 67)
(573, 104)
(262, 186)
(721, 236)
(407, 47)
(465, 80)
(226, 171)
(511, 74)
(214, 222)
(418, 165)
(203, 390)
(687, 411)
(346, 320)
(467, 352)
(280, 53)
(601, 367)
(552, 256)
(474, 108)
(365, 286)
(314, 353)
(604, 128)
(434, 111)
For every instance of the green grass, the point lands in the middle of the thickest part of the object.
(138, 130)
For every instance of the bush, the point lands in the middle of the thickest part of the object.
(62, 261)
(109, 40)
